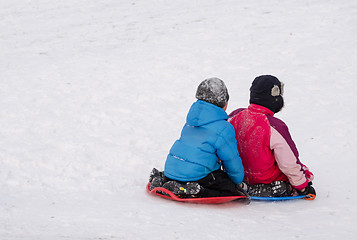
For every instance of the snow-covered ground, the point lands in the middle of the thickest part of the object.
(94, 93)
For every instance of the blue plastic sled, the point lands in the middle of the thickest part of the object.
(306, 197)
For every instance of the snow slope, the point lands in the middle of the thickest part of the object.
(93, 94)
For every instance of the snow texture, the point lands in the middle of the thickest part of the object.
(94, 93)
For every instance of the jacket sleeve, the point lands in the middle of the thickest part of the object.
(287, 159)
(227, 152)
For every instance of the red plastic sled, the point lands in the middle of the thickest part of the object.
(164, 193)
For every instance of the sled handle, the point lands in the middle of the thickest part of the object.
(310, 197)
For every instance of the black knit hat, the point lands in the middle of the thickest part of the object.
(267, 91)
(213, 90)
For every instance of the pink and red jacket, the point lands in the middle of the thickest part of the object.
(267, 150)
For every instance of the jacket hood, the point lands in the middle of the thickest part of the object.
(202, 113)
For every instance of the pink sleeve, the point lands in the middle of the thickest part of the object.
(287, 161)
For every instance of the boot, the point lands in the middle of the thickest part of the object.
(274, 189)
(183, 189)
(156, 179)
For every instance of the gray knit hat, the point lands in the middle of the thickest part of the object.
(213, 90)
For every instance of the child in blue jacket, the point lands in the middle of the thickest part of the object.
(194, 166)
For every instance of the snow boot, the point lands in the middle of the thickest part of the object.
(188, 189)
(274, 189)
(156, 179)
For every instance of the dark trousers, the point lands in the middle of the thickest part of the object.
(217, 184)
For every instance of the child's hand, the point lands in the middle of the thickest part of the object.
(309, 190)
(309, 175)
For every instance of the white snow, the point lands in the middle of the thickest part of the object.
(94, 93)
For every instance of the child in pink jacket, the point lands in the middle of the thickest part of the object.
(269, 155)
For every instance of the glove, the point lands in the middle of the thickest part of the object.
(242, 192)
(309, 175)
(308, 190)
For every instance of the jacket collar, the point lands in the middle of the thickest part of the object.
(202, 113)
(260, 109)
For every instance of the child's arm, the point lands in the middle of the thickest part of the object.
(227, 152)
(286, 155)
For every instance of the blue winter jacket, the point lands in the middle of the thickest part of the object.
(207, 141)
